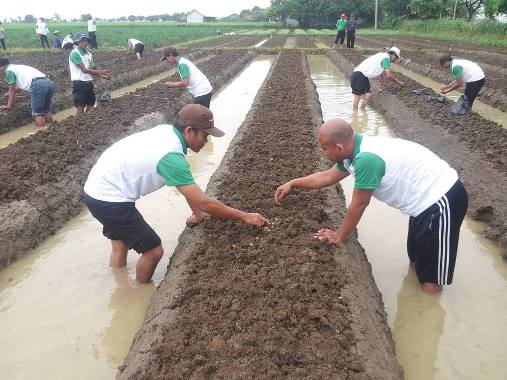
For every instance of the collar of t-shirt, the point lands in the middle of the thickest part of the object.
(182, 140)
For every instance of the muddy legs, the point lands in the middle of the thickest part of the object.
(147, 264)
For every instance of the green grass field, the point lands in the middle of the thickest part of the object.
(21, 38)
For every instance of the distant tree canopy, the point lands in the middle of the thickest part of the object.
(311, 13)
(30, 19)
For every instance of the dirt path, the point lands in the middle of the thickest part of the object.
(41, 177)
(243, 303)
(125, 70)
(477, 148)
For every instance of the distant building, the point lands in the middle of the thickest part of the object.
(196, 17)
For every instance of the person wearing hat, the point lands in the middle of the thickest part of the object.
(341, 25)
(68, 42)
(42, 31)
(404, 175)
(351, 31)
(377, 65)
(191, 77)
(57, 42)
(82, 69)
(137, 46)
(141, 164)
(466, 73)
(32, 80)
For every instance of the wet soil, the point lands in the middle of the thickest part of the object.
(275, 42)
(41, 176)
(493, 55)
(125, 69)
(475, 147)
(305, 41)
(242, 303)
(247, 42)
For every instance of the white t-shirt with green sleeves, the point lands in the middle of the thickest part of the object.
(21, 76)
(77, 57)
(403, 174)
(198, 84)
(374, 65)
(470, 71)
(140, 164)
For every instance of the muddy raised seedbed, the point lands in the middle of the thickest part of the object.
(242, 303)
(41, 177)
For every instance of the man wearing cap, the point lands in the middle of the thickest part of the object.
(82, 68)
(142, 163)
(191, 77)
(377, 65)
(406, 176)
(341, 25)
(32, 80)
(466, 73)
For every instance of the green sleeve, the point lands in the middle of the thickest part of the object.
(184, 70)
(11, 77)
(175, 170)
(340, 166)
(369, 170)
(386, 63)
(457, 71)
(75, 58)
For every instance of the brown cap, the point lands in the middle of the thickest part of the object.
(199, 117)
(169, 51)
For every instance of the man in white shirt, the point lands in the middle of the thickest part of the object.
(141, 164)
(32, 80)
(191, 77)
(465, 73)
(137, 46)
(377, 65)
(42, 31)
(406, 176)
(68, 42)
(92, 32)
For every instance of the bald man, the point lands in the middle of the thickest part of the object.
(406, 176)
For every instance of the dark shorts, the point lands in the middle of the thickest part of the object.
(433, 236)
(83, 93)
(122, 221)
(42, 90)
(359, 83)
(139, 48)
(204, 100)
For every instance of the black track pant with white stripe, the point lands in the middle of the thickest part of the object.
(433, 236)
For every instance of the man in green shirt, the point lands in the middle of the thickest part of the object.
(145, 162)
(341, 25)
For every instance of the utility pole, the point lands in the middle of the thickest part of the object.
(376, 12)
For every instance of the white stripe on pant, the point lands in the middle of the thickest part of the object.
(444, 240)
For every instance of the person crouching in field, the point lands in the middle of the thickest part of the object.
(137, 46)
(466, 73)
(82, 69)
(191, 77)
(32, 80)
(68, 42)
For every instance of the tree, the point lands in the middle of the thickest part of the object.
(30, 19)
(85, 17)
(494, 8)
(472, 7)
(132, 18)
(56, 17)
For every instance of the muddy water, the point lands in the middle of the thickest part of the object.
(261, 43)
(460, 334)
(64, 314)
(30, 129)
(486, 111)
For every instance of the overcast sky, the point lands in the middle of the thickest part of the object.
(110, 9)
